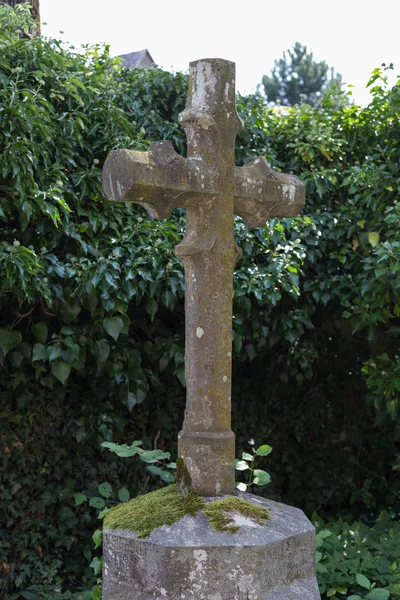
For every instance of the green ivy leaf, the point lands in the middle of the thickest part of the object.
(9, 339)
(40, 331)
(152, 307)
(39, 352)
(79, 499)
(66, 331)
(96, 565)
(61, 370)
(101, 350)
(113, 326)
(97, 537)
(54, 351)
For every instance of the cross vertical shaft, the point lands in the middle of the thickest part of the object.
(209, 253)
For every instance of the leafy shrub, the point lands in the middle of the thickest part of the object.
(355, 558)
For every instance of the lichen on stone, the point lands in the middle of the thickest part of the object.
(146, 513)
(220, 513)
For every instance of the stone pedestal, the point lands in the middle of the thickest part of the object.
(191, 561)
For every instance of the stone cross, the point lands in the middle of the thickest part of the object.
(211, 189)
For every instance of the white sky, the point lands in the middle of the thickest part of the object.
(353, 36)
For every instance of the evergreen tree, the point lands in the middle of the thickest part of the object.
(297, 77)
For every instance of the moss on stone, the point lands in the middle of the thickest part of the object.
(221, 513)
(146, 513)
(169, 505)
(183, 479)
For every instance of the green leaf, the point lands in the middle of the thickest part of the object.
(39, 352)
(9, 339)
(242, 487)
(103, 513)
(79, 499)
(123, 450)
(363, 581)
(54, 351)
(40, 331)
(247, 456)
(113, 326)
(28, 595)
(180, 373)
(96, 565)
(354, 598)
(123, 494)
(165, 475)
(264, 450)
(241, 465)
(135, 398)
(152, 456)
(66, 331)
(97, 537)
(321, 536)
(152, 307)
(105, 489)
(373, 238)
(97, 502)
(378, 594)
(61, 370)
(131, 401)
(261, 477)
(101, 350)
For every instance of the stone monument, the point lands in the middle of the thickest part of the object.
(189, 560)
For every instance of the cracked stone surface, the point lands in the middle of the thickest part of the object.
(190, 561)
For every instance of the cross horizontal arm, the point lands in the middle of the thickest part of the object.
(161, 180)
(261, 193)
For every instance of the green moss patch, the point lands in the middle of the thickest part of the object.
(146, 513)
(220, 513)
(168, 505)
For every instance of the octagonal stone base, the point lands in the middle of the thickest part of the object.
(191, 561)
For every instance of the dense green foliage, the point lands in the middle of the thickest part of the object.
(91, 296)
(357, 561)
(297, 77)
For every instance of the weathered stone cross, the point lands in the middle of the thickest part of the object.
(211, 189)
